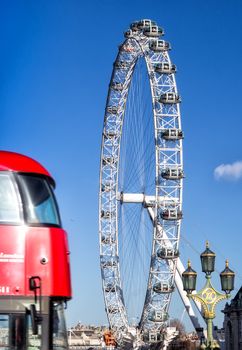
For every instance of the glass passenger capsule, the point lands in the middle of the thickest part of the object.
(134, 25)
(107, 240)
(172, 134)
(107, 186)
(165, 67)
(110, 134)
(167, 253)
(117, 86)
(152, 337)
(109, 160)
(162, 287)
(158, 316)
(110, 288)
(159, 45)
(106, 214)
(112, 263)
(112, 109)
(171, 214)
(126, 48)
(146, 23)
(170, 97)
(113, 310)
(122, 65)
(130, 33)
(172, 174)
(153, 31)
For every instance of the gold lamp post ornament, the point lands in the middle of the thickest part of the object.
(208, 296)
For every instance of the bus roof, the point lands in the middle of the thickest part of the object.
(11, 161)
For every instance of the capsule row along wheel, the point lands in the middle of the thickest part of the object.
(164, 205)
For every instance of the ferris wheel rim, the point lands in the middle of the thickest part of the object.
(141, 51)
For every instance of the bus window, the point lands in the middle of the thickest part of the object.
(13, 332)
(9, 206)
(17, 332)
(59, 327)
(40, 206)
(4, 332)
(34, 341)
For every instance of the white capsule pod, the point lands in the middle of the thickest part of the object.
(107, 214)
(172, 134)
(112, 109)
(165, 68)
(126, 48)
(170, 97)
(158, 316)
(130, 33)
(117, 86)
(152, 337)
(107, 186)
(109, 264)
(159, 45)
(153, 31)
(107, 160)
(163, 287)
(121, 65)
(134, 25)
(110, 288)
(171, 214)
(172, 173)
(146, 23)
(113, 310)
(110, 134)
(167, 253)
(108, 239)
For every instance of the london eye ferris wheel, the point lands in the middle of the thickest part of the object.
(141, 176)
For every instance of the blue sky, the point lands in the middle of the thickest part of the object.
(55, 66)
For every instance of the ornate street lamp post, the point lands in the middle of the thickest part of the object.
(208, 296)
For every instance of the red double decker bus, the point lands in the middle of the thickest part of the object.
(35, 279)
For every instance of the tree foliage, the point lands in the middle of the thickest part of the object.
(175, 322)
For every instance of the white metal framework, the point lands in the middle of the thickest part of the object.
(164, 206)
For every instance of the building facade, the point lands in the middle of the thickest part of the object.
(233, 323)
